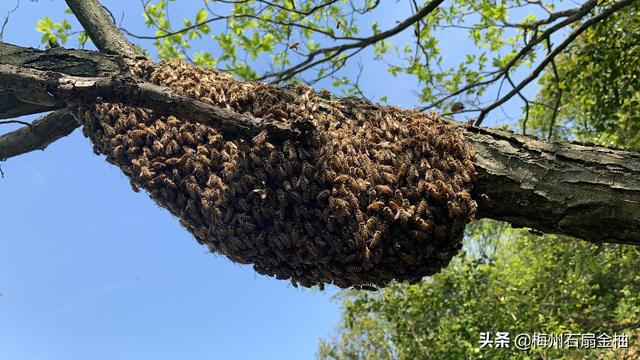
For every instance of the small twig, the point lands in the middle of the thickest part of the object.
(526, 105)
(6, 18)
(556, 108)
(2, 122)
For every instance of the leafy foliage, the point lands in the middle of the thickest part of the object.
(600, 81)
(52, 31)
(313, 40)
(508, 280)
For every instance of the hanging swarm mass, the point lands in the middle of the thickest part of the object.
(380, 194)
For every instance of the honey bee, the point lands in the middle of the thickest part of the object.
(117, 151)
(282, 198)
(312, 249)
(376, 206)
(228, 215)
(465, 176)
(422, 225)
(307, 169)
(168, 183)
(407, 258)
(131, 121)
(323, 195)
(353, 200)
(434, 192)
(366, 256)
(295, 237)
(422, 208)
(145, 173)
(402, 172)
(388, 213)
(362, 231)
(469, 164)
(419, 235)
(134, 186)
(309, 229)
(371, 224)
(248, 226)
(343, 212)
(244, 206)
(374, 243)
(288, 167)
(341, 179)
(454, 209)
(296, 197)
(385, 168)
(403, 216)
(389, 178)
(383, 189)
(331, 225)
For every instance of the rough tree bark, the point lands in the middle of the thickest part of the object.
(588, 192)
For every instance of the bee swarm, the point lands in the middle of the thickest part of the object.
(378, 194)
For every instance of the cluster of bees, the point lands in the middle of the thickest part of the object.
(380, 194)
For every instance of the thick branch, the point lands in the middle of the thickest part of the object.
(588, 192)
(72, 62)
(38, 135)
(64, 89)
(102, 31)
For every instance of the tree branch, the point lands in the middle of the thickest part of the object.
(588, 192)
(578, 14)
(55, 125)
(102, 31)
(334, 51)
(72, 62)
(552, 54)
(38, 135)
(71, 90)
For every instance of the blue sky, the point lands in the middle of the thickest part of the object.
(91, 270)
